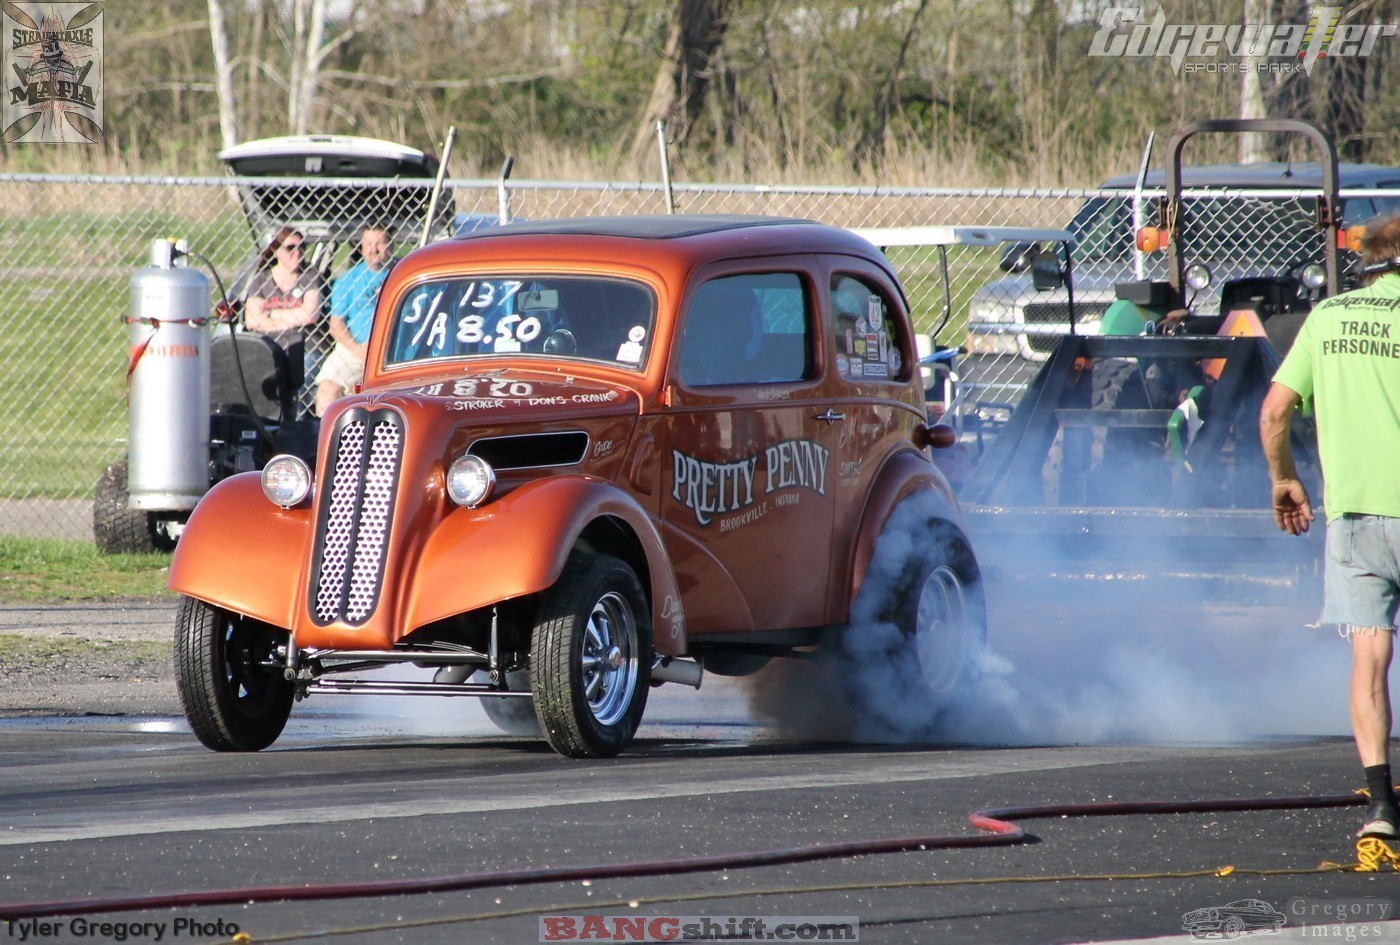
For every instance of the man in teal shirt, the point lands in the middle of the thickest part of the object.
(1346, 362)
(353, 298)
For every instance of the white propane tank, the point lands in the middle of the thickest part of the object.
(168, 385)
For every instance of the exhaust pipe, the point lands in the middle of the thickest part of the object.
(673, 669)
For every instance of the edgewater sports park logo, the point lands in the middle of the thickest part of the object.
(1279, 48)
(53, 72)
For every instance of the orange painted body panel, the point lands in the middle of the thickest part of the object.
(243, 553)
(476, 557)
(904, 475)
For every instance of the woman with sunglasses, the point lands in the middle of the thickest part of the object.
(284, 299)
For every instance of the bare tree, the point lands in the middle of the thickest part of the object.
(223, 75)
(887, 98)
(1254, 147)
(678, 96)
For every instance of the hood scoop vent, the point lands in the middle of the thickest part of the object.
(532, 450)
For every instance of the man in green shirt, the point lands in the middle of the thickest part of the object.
(1346, 362)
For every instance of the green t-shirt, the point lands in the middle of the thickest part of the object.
(1347, 361)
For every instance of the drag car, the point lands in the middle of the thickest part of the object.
(592, 456)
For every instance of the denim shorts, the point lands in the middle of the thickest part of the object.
(1362, 573)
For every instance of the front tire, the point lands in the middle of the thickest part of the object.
(233, 691)
(590, 657)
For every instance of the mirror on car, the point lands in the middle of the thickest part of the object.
(1017, 257)
(539, 300)
(1045, 271)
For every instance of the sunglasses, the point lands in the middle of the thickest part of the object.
(295, 247)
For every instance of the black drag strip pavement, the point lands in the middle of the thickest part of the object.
(115, 808)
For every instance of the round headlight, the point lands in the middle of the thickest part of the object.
(1314, 276)
(1197, 276)
(470, 480)
(286, 480)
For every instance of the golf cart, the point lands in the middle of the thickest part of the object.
(208, 400)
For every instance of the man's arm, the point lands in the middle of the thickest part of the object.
(1292, 511)
(340, 331)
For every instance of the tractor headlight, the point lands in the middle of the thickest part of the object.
(470, 480)
(1314, 276)
(1198, 276)
(286, 480)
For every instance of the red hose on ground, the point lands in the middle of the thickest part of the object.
(997, 824)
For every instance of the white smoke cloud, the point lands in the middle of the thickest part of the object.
(1114, 660)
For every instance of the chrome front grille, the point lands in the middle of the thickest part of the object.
(355, 513)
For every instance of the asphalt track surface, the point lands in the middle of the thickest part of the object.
(119, 805)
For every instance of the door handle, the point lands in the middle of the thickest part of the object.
(830, 416)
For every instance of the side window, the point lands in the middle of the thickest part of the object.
(750, 329)
(1387, 205)
(868, 346)
(1356, 211)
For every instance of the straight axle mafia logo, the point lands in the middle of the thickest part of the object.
(709, 488)
(52, 56)
(1129, 32)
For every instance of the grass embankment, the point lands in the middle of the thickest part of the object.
(34, 570)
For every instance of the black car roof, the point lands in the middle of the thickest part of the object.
(661, 226)
(1268, 174)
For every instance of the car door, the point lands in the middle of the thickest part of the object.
(746, 502)
(874, 369)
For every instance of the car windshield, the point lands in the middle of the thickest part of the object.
(1276, 232)
(526, 315)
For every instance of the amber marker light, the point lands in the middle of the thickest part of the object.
(1151, 239)
(1350, 238)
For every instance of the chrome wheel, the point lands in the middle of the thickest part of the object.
(942, 628)
(609, 658)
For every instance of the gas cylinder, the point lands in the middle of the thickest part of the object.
(168, 384)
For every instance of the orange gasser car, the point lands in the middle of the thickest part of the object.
(590, 456)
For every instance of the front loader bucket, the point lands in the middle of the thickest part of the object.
(1106, 476)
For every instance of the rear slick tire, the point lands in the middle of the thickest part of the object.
(918, 630)
(229, 679)
(590, 655)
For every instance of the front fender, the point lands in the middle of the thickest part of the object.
(243, 553)
(907, 473)
(517, 545)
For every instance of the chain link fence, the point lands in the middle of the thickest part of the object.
(71, 245)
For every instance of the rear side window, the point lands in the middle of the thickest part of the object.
(868, 345)
(749, 329)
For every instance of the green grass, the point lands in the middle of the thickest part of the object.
(64, 293)
(19, 651)
(969, 268)
(35, 570)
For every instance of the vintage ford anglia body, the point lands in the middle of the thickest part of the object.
(590, 456)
